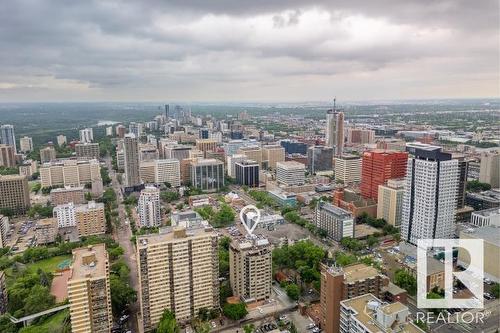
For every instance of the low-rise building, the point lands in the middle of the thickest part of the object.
(486, 217)
(283, 198)
(46, 231)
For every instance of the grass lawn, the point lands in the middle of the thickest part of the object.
(51, 324)
(48, 265)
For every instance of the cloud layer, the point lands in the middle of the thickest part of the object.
(274, 50)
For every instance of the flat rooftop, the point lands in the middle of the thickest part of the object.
(490, 234)
(169, 234)
(357, 272)
(488, 212)
(89, 262)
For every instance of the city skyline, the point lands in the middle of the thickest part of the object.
(274, 51)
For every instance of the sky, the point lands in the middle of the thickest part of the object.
(258, 50)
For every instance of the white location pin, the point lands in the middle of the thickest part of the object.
(249, 228)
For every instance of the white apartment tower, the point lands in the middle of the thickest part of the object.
(86, 135)
(65, 215)
(430, 198)
(290, 173)
(335, 130)
(149, 207)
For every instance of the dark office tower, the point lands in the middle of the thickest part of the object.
(236, 135)
(319, 158)
(203, 133)
(294, 147)
(463, 167)
(247, 173)
(166, 110)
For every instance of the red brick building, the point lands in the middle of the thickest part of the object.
(379, 166)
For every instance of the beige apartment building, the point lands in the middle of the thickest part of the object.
(390, 201)
(253, 153)
(69, 172)
(90, 219)
(14, 193)
(26, 144)
(47, 154)
(250, 269)
(489, 169)
(61, 196)
(7, 156)
(161, 171)
(179, 271)
(89, 291)
(87, 151)
(206, 145)
(46, 231)
(272, 154)
(348, 169)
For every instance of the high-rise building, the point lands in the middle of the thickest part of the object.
(120, 131)
(348, 169)
(207, 174)
(86, 135)
(463, 171)
(64, 195)
(319, 158)
(379, 166)
(360, 136)
(131, 160)
(89, 292)
(290, 173)
(272, 154)
(231, 147)
(430, 198)
(47, 154)
(253, 153)
(65, 215)
(136, 129)
(69, 173)
(7, 156)
(90, 219)
(26, 144)
(338, 223)
(148, 207)
(338, 284)
(46, 231)
(375, 316)
(390, 201)
(14, 193)
(250, 269)
(294, 147)
(247, 173)
(4, 229)
(206, 145)
(179, 271)
(335, 130)
(179, 152)
(231, 162)
(109, 131)
(489, 171)
(87, 151)
(7, 136)
(61, 140)
(161, 171)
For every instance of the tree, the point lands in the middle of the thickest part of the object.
(406, 281)
(248, 328)
(224, 216)
(235, 311)
(477, 186)
(39, 299)
(36, 187)
(121, 293)
(495, 290)
(169, 196)
(293, 291)
(371, 240)
(167, 323)
(6, 326)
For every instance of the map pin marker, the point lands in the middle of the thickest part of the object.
(247, 224)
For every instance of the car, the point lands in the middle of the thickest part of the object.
(213, 324)
(310, 326)
(260, 310)
(283, 317)
(315, 330)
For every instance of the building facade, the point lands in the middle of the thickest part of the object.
(14, 193)
(489, 170)
(86, 135)
(338, 223)
(61, 196)
(247, 173)
(207, 174)
(272, 154)
(46, 231)
(87, 151)
(47, 154)
(390, 201)
(290, 173)
(131, 160)
(348, 169)
(319, 158)
(7, 156)
(7, 136)
(148, 207)
(26, 144)
(69, 173)
(335, 131)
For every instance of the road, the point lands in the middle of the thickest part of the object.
(122, 235)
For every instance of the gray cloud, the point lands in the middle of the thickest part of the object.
(261, 50)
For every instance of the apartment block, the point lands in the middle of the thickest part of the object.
(69, 172)
(89, 291)
(347, 169)
(342, 283)
(338, 223)
(379, 166)
(206, 145)
(14, 193)
(47, 154)
(250, 269)
(368, 314)
(7, 156)
(179, 271)
(65, 215)
(28, 168)
(86, 135)
(231, 162)
(148, 207)
(46, 231)
(90, 219)
(65, 195)
(319, 158)
(61, 140)
(87, 151)
(161, 171)
(489, 170)
(253, 153)
(360, 136)
(290, 173)
(131, 160)
(390, 201)
(4, 229)
(272, 154)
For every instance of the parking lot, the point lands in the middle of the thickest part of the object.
(21, 235)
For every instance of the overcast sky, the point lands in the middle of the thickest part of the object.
(250, 50)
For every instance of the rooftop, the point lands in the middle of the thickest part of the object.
(490, 234)
(170, 234)
(89, 262)
(339, 212)
(358, 272)
(488, 212)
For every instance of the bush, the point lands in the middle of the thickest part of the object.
(235, 311)
(293, 291)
